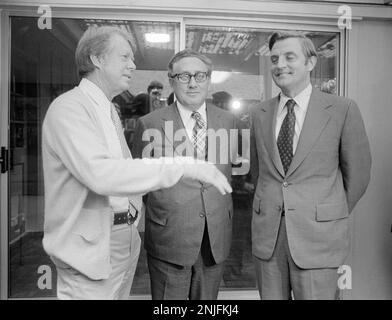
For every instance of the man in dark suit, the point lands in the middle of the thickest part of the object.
(313, 165)
(188, 227)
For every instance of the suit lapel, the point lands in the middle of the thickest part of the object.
(315, 120)
(214, 123)
(174, 130)
(268, 123)
(213, 118)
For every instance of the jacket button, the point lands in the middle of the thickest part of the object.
(202, 214)
(278, 208)
(285, 184)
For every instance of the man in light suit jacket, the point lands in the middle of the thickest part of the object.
(93, 187)
(312, 160)
(188, 226)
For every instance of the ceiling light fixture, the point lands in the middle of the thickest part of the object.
(157, 37)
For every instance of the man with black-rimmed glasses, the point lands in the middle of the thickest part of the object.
(188, 226)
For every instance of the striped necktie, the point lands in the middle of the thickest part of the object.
(134, 201)
(199, 135)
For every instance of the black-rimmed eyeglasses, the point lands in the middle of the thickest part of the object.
(185, 77)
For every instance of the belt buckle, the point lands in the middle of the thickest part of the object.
(130, 218)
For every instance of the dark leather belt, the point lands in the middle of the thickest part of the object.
(124, 217)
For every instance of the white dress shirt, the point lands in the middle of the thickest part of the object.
(300, 108)
(186, 117)
(103, 105)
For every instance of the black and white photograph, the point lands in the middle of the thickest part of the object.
(205, 152)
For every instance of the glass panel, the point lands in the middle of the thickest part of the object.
(242, 78)
(42, 67)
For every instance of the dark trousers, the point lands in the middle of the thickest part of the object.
(200, 281)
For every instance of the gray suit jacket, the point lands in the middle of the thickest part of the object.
(175, 217)
(329, 173)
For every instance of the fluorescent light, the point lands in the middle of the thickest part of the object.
(157, 37)
(219, 76)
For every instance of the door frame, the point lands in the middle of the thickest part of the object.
(4, 141)
(184, 18)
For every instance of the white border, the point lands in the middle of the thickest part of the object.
(233, 7)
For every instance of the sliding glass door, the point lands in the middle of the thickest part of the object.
(41, 66)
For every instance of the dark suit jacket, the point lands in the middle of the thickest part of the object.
(175, 217)
(329, 173)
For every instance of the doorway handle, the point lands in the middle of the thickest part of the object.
(4, 160)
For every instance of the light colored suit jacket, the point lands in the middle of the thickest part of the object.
(329, 173)
(175, 217)
(79, 175)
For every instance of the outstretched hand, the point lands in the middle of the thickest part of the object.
(207, 172)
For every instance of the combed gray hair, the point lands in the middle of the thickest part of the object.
(95, 41)
(186, 53)
(307, 45)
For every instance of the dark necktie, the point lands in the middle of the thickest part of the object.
(199, 135)
(286, 136)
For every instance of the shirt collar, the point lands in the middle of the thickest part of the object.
(186, 113)
(94, 93)
(301, 99)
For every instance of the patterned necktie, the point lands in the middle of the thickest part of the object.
(134, 201)
(286, 136)
(199, 135)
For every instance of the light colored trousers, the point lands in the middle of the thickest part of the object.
(124, 254)
(279, 278)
